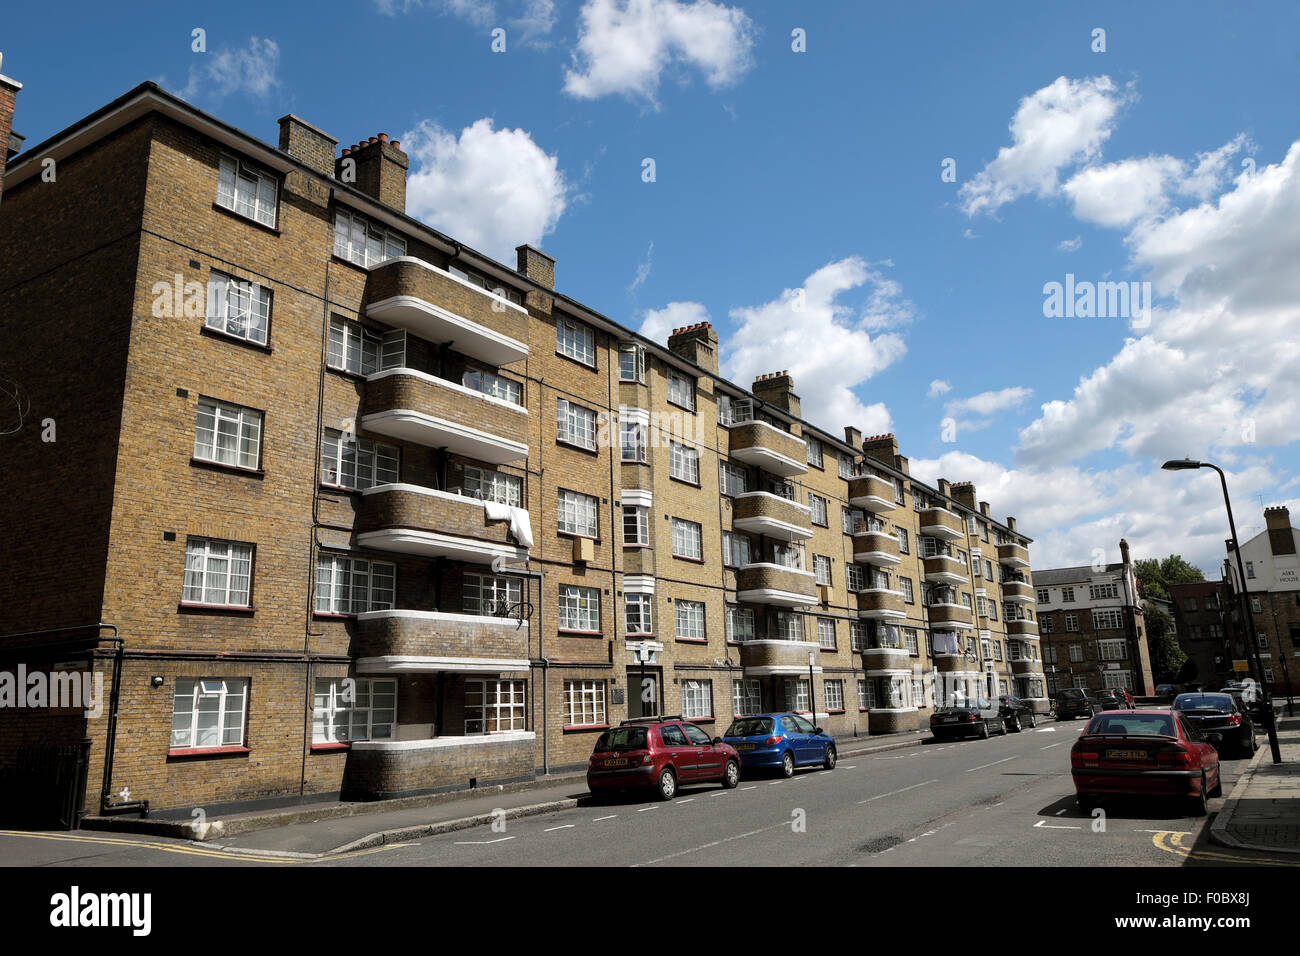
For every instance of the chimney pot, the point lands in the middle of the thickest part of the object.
(383, 137)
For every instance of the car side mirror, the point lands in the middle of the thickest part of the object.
(716, 741)
(818, 730)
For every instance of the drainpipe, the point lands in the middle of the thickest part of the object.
(106, 805)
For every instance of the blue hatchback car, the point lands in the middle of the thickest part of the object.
(780, 741)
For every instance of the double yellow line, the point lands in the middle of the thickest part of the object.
(210, 853)
(1172, 842)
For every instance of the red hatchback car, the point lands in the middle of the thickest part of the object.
(1145, 753)
(660, 752)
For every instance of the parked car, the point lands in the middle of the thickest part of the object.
(1072, 702)
(1221, 714)
(780, 741)
(1148, 753)
(663, 753)
(1166, 691)
(1017, 713)
(1113, 698)
(975, 718)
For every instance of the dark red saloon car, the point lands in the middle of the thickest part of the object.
(1144, 753)
(663, 753)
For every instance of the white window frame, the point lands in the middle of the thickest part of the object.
(490, 383)
(683, 463)
(732, 479)
(584, 703)
(575, 424)
(350, 585)
(638, 613)
(490, 595)
(697, 699)
(826, 633)
(637, 519)
(833, 693)
(488, 484)
(353, 348)
(230, 697)
(369, 714)
(357, 463)
(576, 341)
(631, 363)
(258, 201)
(813, 456)
(817, 506)
(364, 243)
(240, 426)
(739, 624)
(577, 514)
(688, 539)
(632, 442)
(218, 573)
(746, 696)
(681, 389)
(579, 609)
(238, 308)
(689, 619)
(501, 706)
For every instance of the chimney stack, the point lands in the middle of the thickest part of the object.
(380, 170)
(881, 447)
(1281, 539)
(964, 494)
(536, 265)
(945, 488)
(984, 508)
(305, 142)
(1123, 553)
(777, 388)
(696, 343)
(9, 140)
(1011, 523)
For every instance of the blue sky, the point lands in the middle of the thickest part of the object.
(778, 171)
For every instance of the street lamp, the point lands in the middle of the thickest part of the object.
(1186, 464)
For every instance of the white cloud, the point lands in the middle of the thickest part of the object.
(643, 269)
(938, 387)
(531, 21)
(658, 324)
(1070, 245)
(225, 71)
(491, 188)
(990, 403)
(1060, 125)
(625, 46)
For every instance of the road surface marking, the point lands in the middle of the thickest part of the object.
(850, 766)
(644, 809)
(567, 826)
(721, 793)
(705, 846)
(686, 800)
(610, 817)
(1179, 832)
(1050, 746)
(186, 849)
(894, 793)
(482, 842)
(1059, 812)
(993, 764)
(1047, 730)
(1044, 824)
(749, 788)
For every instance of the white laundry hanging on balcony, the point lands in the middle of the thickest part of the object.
(520, 526)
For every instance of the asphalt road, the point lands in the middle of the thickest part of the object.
(1006, 801)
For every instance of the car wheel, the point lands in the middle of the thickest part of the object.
(1218, 784)
(984, 730)
(1200, 801)
(667, 784)
(787, 764)
(831, 757)
(1033, 721)
(731, 776)
(1015, 724)
(1251, 744)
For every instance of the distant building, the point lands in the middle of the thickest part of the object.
(1273, 588)
(1202, 612)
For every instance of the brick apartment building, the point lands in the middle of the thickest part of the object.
(337, 505)
(1206, 628)
(1092, 628)
(1272, 589)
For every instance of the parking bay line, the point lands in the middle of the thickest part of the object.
(993, 764)
(610, 817)
(482, 842)
(567, 826)
(893, 793)
(1047, 826)
(1050, 746)
(705, 846)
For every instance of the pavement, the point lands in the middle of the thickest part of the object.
(312, 831)
(1263, 810)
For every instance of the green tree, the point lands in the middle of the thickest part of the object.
(1156, 575)
(1167, 658)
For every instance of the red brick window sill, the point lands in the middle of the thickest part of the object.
(565, 630)
(690, 640)
(225, 608)
(222, 466)
(329, 748)
(580, 727)
(207, 751)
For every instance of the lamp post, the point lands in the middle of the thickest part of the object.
(1186, 464)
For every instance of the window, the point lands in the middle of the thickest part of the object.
(632, 441)
(796, 694)
(631, 363)
(584, 703)
(866, 694)
(208, 713)
(636, 526)
(817, 505)
(1044, 596)
(854, 577)
(740, 624)
(1076, 653)
(857, 635)
(488, 485)
(1045, 624)
(228, 434)
(986, 649)
(493, 706)
(352, 348)
(637, 613)
(903, 546)
(822, 569)
(218, 573)
(347, 585)
(993, 610)
(489, 383)
(850, 518)
(814, 454)
(579, 608)
(1097, 592)
(356, 463)
(575, 425)
(683, 463)
(846, 466)
(834, 692)
(1049, 654)
(697, 699)
(576, 341)
(788, 555)
(491, 595)
(1071, 622)
(247, 191)
(1250, 569)
(1114, 650)
(746, 697)
(241, 309)
(686, 539)
(1255, 605)
(577, 514)
(1268, 673)
(965, 600)
(1262, 639)
(348, 709)
(905, 585)
(975, 564)
(910, 641)
(1106, 619)
(681, 389)
(826, 633)
(988, 569)
(997, 650)
(972, 527)
(735, 549)
(364, 243)
(733, 479)
(488, 285)
(690, 620)
(1067, 595)
(789, 626)
(899, 497)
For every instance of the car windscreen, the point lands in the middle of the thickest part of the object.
(622, 738)
(749, 727)
(1133, 725)
(1195, 702)
(1072, 693)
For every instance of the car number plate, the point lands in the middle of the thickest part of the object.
(616, 761)
(744, 746)
(1126, 755)
(947, 719)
